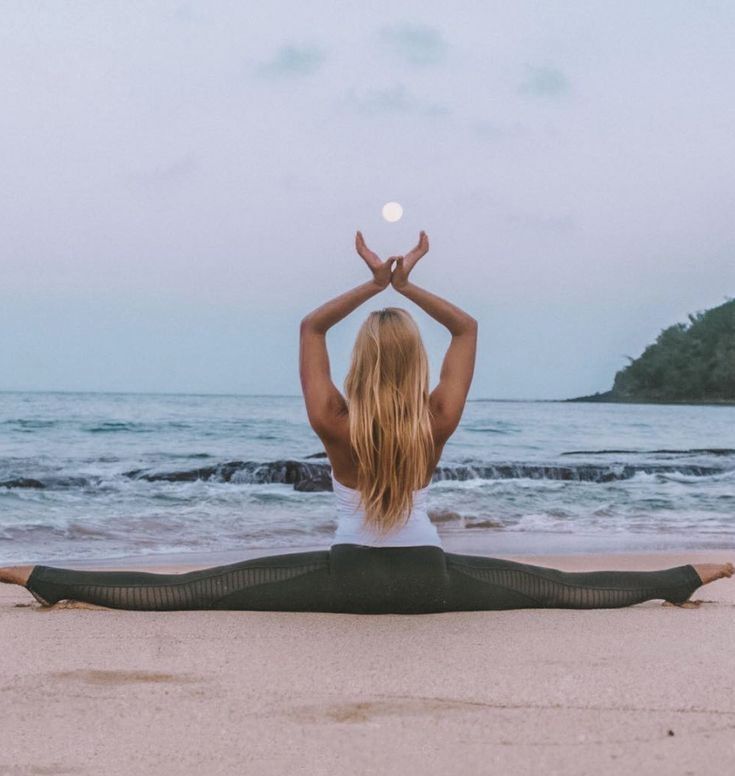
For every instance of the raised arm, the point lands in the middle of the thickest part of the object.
(448, 399)
(324, 402)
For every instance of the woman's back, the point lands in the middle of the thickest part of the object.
(418, 530)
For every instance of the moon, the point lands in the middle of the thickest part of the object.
(392, 212)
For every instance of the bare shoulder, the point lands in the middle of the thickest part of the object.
(439, 435)
(338, 449)
(443, 422)
(344, 466)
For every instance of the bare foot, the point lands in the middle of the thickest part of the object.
(71, 604)
(684, 604)
(15, 575)
(709, 572)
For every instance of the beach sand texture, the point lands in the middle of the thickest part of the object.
(645, 690)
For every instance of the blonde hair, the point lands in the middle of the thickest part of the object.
(387, 393)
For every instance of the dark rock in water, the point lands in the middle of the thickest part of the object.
(319, 481)
(190, 475)
(489, 523)
(50, 482)
(309, 477)
(315, 476)
(22, 482)
(292, 472)
(443, 515)
(222, 472)
(317, 455)
(303, 476)
(71, 482)
(573, 473)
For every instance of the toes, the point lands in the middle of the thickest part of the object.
(684, 604)
(72, 604)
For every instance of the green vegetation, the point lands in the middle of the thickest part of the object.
(689, 362)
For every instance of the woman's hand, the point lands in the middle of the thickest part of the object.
(381, 269)
(404, 264)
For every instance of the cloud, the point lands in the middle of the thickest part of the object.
(544, 82)
(493, 130)
(417, 44)
(397, 99)
(293, 61)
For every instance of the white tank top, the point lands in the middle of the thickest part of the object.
(351, 529)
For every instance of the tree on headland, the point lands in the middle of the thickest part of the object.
(688, 362)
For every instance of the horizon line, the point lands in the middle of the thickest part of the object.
(200, 393)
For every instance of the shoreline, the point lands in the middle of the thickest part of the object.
(173, 562)
(604, 399)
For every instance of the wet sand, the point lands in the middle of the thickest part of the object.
(646, 690)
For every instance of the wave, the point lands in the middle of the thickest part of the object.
(494, 428)
(55, 483)
(114, 426)
(28, 424)
(311, 477)
(96, 427)
(135, 427)
(303, 476)
(307, 476)
(599, 473)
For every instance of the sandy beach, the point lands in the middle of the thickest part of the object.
(645, 690)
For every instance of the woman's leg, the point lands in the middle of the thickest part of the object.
(290, 582)
(345, 578)
(480, 583)
(353, 578)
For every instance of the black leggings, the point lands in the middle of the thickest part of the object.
(366, 580)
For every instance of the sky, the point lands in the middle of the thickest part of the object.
(182, 183)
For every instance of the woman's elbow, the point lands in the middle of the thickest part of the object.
(472, 324)
(310, 326)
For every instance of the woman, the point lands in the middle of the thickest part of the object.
(383, 440)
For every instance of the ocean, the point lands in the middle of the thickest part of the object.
(101, 476)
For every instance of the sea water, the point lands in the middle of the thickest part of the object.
(89, 476)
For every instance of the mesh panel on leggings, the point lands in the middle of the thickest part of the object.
(550, 588)
(148, 591)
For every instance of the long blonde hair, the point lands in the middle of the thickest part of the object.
(387, 393)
